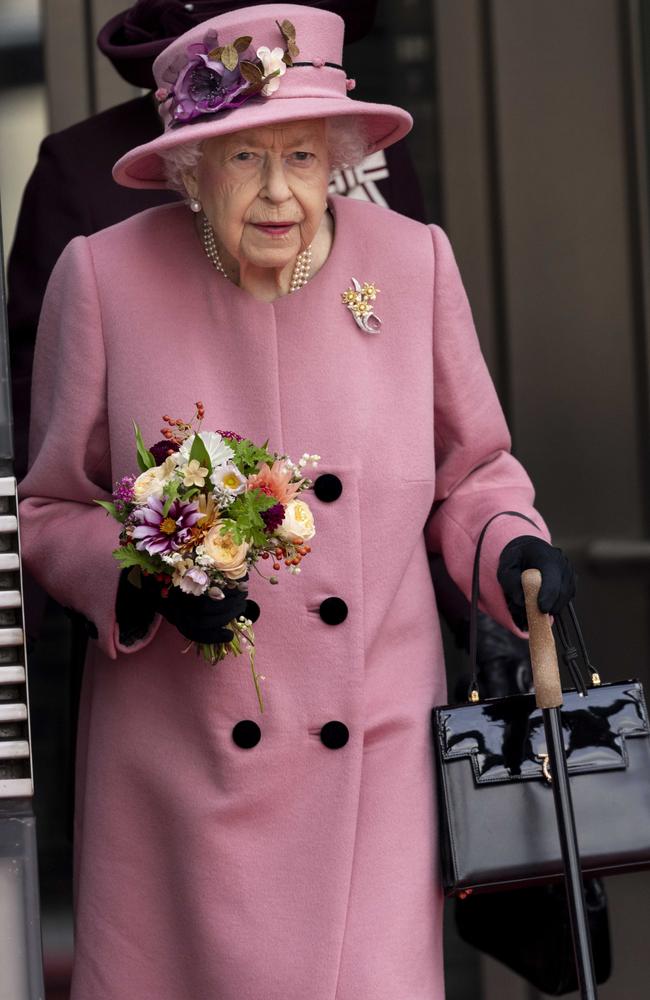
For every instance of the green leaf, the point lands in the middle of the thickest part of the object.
(145, 458)
(242, 43)
(248, 456)
(244, 518)
(229, 57)
(252, 74)
(199, 452)
(171, 493)
(128, 555)
(108, 507)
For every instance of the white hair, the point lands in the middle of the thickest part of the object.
(348, 144)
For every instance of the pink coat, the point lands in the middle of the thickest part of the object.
(288, 871)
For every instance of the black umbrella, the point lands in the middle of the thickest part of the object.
(548, 695)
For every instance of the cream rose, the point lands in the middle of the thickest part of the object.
(229, 558)
(298, 524)
(150, 483)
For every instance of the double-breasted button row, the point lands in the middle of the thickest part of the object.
(327, 488)
(247, 734)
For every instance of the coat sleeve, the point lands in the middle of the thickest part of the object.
(50, 216)
(476, 475)
(66, 539)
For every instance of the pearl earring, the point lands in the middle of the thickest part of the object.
(195, 205)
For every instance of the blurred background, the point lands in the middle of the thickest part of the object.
(532, 148)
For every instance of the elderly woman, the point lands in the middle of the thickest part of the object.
(220, 853)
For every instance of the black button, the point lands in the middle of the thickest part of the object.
(252, 610)
(333, 610)
(334, 735)
(328, 487)
(246, 734)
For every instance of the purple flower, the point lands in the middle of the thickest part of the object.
(158, 533)
(231, 435)
(204, 86)
(194, 581)
(123, 493)
(273, 517)
(160, 450)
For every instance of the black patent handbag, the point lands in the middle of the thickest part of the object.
(495, 805)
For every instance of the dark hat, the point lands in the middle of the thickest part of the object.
(133, 39)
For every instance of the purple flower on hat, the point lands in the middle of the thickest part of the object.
(204, 85)
(158, 533)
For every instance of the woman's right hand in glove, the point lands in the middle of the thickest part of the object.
(203, 618)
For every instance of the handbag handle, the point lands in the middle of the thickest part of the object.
(543, 654)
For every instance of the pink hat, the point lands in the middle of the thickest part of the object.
(251, 67)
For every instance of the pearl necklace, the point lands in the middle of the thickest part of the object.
(301, 270)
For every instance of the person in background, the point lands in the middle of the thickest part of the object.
(70, 195)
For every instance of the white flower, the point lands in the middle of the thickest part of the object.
(271, 61)
(298, 524)
(193, 474)
(172, 558)
(224, 499)
(152, 482)
(229, 479)
(216, 448)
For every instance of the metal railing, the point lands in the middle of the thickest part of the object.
(21, 964)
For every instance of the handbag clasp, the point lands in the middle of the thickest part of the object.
(546, 767)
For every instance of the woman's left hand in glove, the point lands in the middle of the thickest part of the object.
(558, 576)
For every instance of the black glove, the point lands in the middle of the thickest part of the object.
(202, 619)
(558, 577)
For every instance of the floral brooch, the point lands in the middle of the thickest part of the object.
(358, 300)
(211, 77)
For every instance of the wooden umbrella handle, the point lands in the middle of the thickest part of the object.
(543, 655)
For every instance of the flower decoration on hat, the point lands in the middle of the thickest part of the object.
(212, 77)
(359, 301)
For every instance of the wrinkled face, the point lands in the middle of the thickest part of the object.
(264, 190)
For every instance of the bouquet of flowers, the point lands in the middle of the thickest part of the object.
(205, 509)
